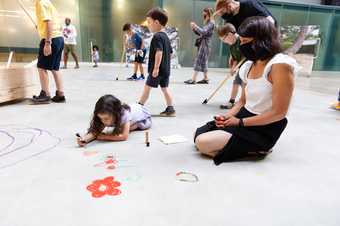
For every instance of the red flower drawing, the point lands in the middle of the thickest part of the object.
(110, 163)
(107, 186)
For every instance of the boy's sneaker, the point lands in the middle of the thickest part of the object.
(132, 78)
(169, 112)
(227, 106)
(141, 77)
(204, 81)
(42, 98)
(190, 82)
(59, 98)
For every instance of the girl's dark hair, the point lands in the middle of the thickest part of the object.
(108, 104)
(158, 14)
(127, 27)
(95, 47)
(265, 35)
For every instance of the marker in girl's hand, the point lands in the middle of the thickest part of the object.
(80, 138)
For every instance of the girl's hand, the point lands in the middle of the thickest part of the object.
(192, 25)
(81, 142)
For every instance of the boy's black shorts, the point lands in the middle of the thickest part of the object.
(160, 80)
(51, 62)
(140, 59)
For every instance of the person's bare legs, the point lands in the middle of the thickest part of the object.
(58, 81)
(145, 95)
(135, 68)
(44, 81)
(141, 69)
(234, 91)
(167, 96)
(75, 57)
(133, 127)
(206, 75)
(65, 58)
(194, 76)
(211, 143)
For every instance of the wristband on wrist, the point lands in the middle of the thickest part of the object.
(241, 123)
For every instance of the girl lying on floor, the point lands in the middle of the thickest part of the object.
(113, 121)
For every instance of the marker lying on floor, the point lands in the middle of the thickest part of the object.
(147, 142)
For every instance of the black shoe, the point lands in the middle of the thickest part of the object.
(42, 98)
(227, 106)
(58, 98)
(169, 112)
(141, 77)
(204, 81)
(132, 78)
(190, 82)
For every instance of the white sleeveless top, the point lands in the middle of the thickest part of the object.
(259, 91)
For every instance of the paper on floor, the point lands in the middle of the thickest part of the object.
(173, 139)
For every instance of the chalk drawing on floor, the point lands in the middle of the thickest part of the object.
(20, 143)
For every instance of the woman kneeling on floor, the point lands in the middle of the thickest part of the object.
(255, 123)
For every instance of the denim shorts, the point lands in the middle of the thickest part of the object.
(51, 62)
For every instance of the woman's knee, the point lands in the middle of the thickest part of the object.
(212, 142)
(202, 146)
(202, 143)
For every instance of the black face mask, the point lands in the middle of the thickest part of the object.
(227, 16)
(249, 52)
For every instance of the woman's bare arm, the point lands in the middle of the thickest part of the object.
(282, 79)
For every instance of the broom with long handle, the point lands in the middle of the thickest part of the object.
(121, 59)
(224, 81)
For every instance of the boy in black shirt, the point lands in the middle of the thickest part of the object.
(235, 12)
(159, 60)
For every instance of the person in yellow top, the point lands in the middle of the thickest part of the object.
(50, 51)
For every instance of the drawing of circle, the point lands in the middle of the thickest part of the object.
(6, 140)
(16, 149)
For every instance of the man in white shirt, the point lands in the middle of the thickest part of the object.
(70, 39)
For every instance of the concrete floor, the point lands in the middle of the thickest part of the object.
(297, 185)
